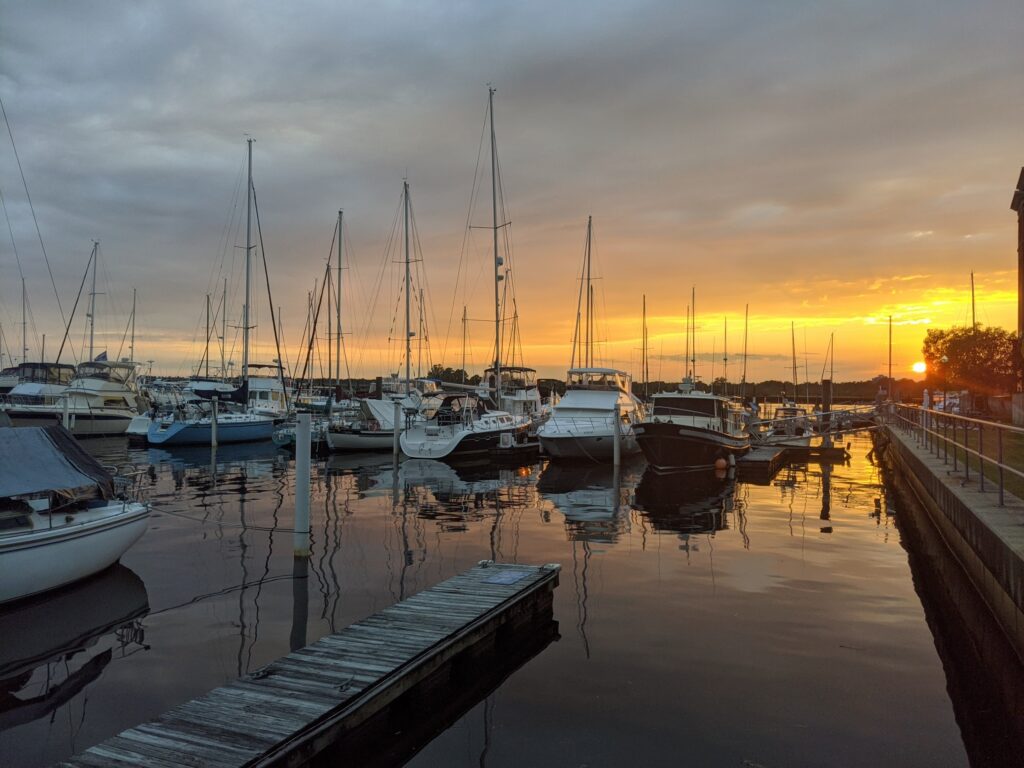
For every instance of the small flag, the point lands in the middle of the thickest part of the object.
(101, 357)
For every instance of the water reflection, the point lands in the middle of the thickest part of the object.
(56, 645)
(701, 501)
(593, 498)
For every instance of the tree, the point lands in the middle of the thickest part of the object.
(983, 360)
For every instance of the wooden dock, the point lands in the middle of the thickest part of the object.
(307, 703)
(761, 463)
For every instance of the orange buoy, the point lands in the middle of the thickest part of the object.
(721, 463)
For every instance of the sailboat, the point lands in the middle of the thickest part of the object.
(584, 422)
(180, 429)
(462, 426)
(688, 428)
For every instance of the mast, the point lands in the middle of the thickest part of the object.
(743, 379)
(207, 355)
(643, 350)
(248, 269)
(725, 358)
(92, 301)
(497, 258)
(792, 335)
(693, 331)
(463, 343)
(224, 332)
(588, 348)
(419, 340)
(686, 355)
(337, 342)
(24, 323)
(329, 285)
(408, 289)
(131, 347)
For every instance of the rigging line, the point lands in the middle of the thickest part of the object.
(32, 208)
(473, 192)
(273, 320)
(67, 327)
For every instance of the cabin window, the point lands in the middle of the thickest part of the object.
(684, 406)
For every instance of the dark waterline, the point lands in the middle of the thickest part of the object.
(702, 621)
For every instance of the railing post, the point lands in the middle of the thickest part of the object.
(955, 467)
(981, 457)
(967, 456)
(999, 437)
(945, 441)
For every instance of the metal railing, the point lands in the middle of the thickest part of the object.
(961, 440)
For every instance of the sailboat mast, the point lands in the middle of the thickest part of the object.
(792, 335)
(92, 302)
(643, 351)
(891, 399)
(686, 355)
(337, 342)
(693, 331)
(408, 302)
(419, 340)
(24, 323)
(743, 379)
(224, 332)
(497, 258)
(248, 269)
(131, 347)
(725, 358)
(588, 348)
(207, 353)
(463, 343)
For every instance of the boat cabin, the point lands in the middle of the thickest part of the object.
(603, 379)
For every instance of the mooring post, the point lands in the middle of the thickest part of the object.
(395, 450)
(826, 413)
(302, 486)
(67, 412)
(213, 422)
(617, 436)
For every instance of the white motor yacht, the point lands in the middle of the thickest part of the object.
(582, 425)
(101, 400)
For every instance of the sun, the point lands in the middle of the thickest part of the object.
(919, 367)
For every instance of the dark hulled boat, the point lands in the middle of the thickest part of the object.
(687, 429)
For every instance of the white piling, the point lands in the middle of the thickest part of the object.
(213, 422)
(66, 420)
(395, 444)
(303, 442)
(617, 436)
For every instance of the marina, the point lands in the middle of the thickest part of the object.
(722, 581)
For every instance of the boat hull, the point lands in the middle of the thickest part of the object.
(201, 432)
(360, 440)
(597, 448)
(471, 445)
(91, 423)
(43, 559)
(669, 446)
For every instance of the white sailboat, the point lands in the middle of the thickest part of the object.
(60, 518)
(462, 426)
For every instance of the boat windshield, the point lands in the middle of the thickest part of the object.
(46, 373)
(119, 372)
(607, 380)
(513, 377)
(684, 406)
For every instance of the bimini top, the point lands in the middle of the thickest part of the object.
(37, 460)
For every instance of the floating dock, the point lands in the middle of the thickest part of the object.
(308, 704)
(761, 463)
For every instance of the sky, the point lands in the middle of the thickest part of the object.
(819, 165)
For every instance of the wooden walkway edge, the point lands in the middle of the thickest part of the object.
(291, 710)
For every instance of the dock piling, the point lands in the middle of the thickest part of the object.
(213, 422)
(617, 436)
(302, 485)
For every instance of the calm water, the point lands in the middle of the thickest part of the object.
(702, 621)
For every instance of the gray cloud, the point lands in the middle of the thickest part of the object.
(709, 140)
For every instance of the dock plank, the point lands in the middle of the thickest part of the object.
(292, 708)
